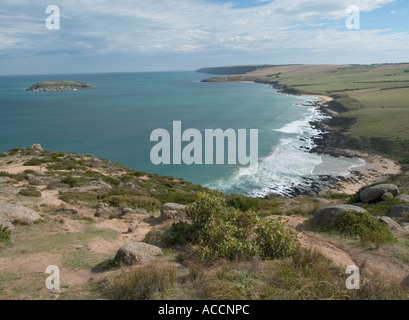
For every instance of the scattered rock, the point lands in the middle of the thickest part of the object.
(67, 211)
(173, 211)
(375, 193)
(103, 211)
(37, 147)
(391, 224)
(137, 252)
(328, 216)
(386, 196)
(405, 226)
(13, 213)
(5, 179)
(7, 224)
(400, 213)
(403, 198)
(320, 200)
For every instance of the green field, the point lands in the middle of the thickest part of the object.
(376, 97)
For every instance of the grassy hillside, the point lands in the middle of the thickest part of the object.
(375, 96)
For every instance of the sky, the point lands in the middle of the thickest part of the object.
(171, 35)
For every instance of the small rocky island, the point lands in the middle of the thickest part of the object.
(55, 86)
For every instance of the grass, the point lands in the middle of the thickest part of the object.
(5, 235)
(382, 208)
(307, 275)
(365, 226)
(154, 281)
(373, 99)
(30, 192)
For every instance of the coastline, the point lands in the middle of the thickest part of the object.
(375, 170)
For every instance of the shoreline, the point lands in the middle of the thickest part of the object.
(375, 170)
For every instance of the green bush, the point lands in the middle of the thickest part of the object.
(178, 233)
(153, 237)
(134, 202)
(177, 197)
(219, 231)
(72, 182)
(5, 235)
(242, 203)
(89, 197)
(365, 226)
(34, 162)
(30, 192)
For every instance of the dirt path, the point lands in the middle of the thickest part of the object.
(377, 263)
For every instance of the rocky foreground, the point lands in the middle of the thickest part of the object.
(99, 222)
(55, 86)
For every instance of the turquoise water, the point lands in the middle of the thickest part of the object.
(115, 119)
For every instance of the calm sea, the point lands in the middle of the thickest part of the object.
(115, 119)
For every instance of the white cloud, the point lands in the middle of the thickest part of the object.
(91, 27)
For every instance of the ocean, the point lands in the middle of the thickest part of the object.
(115, 119)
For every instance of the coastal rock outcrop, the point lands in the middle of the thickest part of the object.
(37, 147)
(375, 193)
(390, 223)
(173, 211)
(403, 198)
(400, 213)
(328, 216)
(15, 213)
(137, 252)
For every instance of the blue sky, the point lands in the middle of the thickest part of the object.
(165, 35)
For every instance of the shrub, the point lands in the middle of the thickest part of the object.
(34, 162)
(219, 231)
(72, 182)
(89, 197)
(178, 233)
(30, 192)
(271, 245)
(177, 197)
(5, 235)
(134, 202)
(242, 203)
(153, 237)
(365, 226)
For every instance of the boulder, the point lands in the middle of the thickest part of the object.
(376, 193)
(386, 196)
(328, 216)
(5, 179)
(12, 213)
(403, 198)
(390, 223)
(6, 224)
(405, 226)
(103, 211)
(400, 213)
(173, 211)
(37, 147)
(137, 252)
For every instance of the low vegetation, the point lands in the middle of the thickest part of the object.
(364, 226)
(219, 231)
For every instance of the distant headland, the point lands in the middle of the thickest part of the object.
(55, 86)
